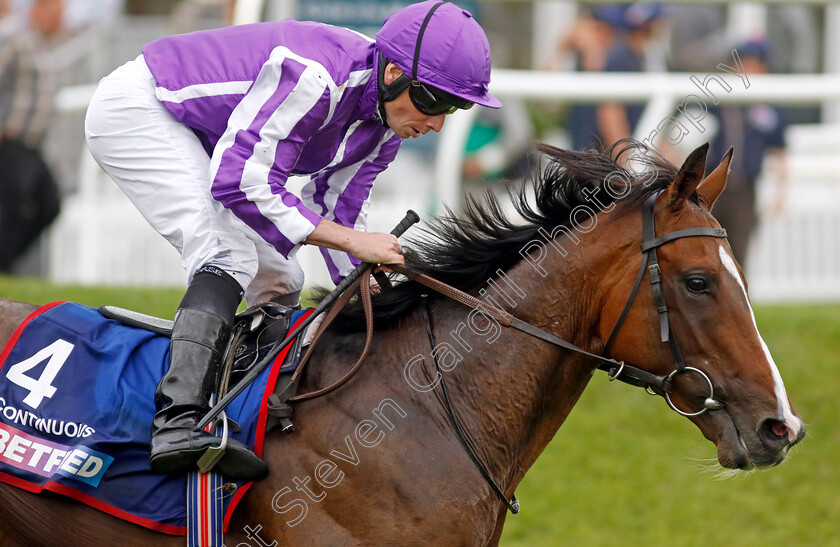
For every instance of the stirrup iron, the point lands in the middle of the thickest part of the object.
(213, 455)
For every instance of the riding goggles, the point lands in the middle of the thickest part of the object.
(434, 102)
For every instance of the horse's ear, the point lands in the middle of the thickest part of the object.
(716, 181)
(689, 177)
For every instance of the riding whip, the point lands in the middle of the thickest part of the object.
(410, 218)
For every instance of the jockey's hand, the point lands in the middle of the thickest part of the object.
(374, 247)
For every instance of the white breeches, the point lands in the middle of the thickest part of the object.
(161, 166)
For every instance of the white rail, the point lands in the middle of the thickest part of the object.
(793, 256)
(662, 91)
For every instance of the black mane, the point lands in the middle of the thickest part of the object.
(465, 250)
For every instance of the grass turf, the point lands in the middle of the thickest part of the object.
(626, 470)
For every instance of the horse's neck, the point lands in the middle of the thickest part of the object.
(513, 392)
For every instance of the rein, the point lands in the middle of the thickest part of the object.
(363, 283)
(616, 370)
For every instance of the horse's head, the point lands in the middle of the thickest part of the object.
(727, 382)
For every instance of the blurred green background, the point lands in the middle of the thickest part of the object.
(626, 470)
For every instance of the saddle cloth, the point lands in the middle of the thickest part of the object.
(76, 407)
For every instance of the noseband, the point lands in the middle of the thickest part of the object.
(651, 262)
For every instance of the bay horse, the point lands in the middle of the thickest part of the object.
(378, 462)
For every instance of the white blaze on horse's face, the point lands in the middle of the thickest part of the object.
(794, 424)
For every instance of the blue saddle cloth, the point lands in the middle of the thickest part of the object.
(76, 407)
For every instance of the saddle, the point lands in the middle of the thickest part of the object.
(254, 334)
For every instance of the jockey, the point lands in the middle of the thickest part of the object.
(202, 132)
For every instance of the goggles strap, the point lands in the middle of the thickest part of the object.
(420, 34)
(390, 92)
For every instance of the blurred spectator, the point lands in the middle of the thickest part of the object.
(611, 38)
(697, 37)
(636, 25)
(192, 15)
(29, 197)
(587, 43)
(54, 17)
(753, 130)
(46, 17)
(499, 144)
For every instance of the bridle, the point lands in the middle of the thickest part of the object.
(617, 370)
(651, 261)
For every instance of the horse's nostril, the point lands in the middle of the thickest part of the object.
(778, 428)
(774, 431)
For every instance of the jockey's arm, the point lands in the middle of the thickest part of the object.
(373, 247)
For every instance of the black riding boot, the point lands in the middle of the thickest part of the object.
(200, 334)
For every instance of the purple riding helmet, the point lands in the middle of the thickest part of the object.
(444, 55)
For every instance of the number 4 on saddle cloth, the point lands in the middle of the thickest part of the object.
(77, 402)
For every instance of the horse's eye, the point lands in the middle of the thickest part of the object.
(697, 284)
